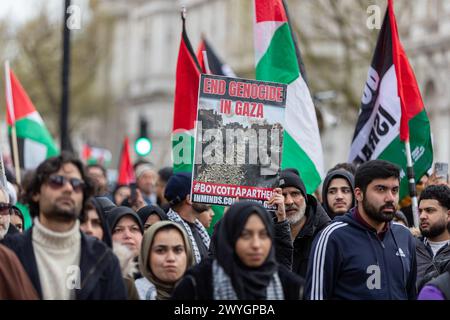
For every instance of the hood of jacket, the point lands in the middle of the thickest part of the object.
(102, 212)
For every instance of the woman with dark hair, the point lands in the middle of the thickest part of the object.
(17, 219)
(93, 221)
(244, 267)
(120, 193)
(165, 256)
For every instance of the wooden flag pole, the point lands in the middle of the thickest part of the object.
(15, 153)
(412, 184)
(10, 106)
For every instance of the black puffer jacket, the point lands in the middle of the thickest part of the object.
(316, 220)
(429, 267)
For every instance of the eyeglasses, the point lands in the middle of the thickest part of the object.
(5, 209)
(57, 182)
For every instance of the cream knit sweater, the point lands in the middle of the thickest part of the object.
(57, 257)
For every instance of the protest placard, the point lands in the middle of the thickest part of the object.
(239, 134)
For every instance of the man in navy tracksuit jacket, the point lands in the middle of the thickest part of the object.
(363, 255)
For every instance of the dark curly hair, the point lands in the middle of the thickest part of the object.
(441, 193)
(49, 167)
(375, 169)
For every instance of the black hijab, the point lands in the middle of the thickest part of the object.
(118, 213)
(147, 211)
(248, 283)
(102, 212)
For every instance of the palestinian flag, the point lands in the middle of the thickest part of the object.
(94, 155)
(214, 63)
(34, 141)
(185, 108)
(278, 60)
(185, 112)
(126, 171)
(392, 110)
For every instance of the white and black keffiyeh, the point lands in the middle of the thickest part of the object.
(175, 217)
(223, 288)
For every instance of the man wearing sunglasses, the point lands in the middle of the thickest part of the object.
(60, 260)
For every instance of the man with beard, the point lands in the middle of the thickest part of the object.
(433, 249)
(337, 192)
(60, 260)
(305, 217)
(362, 254)
(185, 212)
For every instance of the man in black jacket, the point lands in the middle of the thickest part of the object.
(305, 216)
(60, 260)
(433, 248)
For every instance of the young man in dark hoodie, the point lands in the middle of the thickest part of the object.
(363, 255)
(305, 216)
(337, 192)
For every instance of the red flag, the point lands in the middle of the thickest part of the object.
(408, 90)
(22, 106)
(186, 87)
(34, 141)
(126, 171)
(86, 152)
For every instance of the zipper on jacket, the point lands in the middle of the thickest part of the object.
(384, 265)
(388, 281)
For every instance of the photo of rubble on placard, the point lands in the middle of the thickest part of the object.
(237, 152)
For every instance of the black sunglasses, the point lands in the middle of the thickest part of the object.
(57, 182)
(5, 208)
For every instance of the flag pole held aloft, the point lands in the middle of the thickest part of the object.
(10, 110)
(34, 142)
(393, 124)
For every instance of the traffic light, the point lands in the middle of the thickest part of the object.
(143, 145)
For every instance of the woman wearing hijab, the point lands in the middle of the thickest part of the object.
(126, 228)
(244, 267)
(126, 232)
(165, 256)
(151, 214)
(93, 221)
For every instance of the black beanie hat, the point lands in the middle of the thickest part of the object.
(178, 187)
(290, 178)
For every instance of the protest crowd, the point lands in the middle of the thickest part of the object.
(86, 243)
